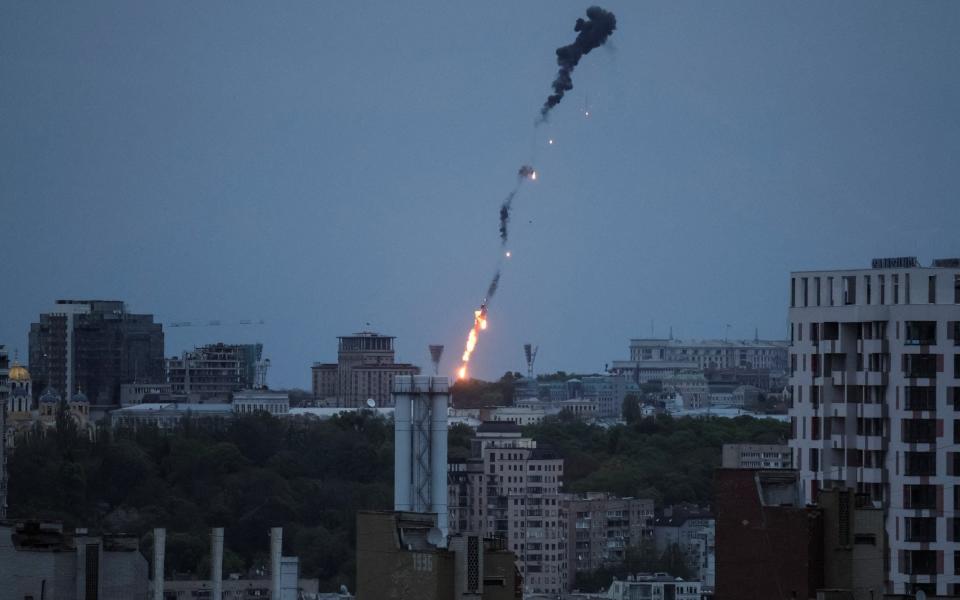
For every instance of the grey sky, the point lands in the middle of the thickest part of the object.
(320, 165)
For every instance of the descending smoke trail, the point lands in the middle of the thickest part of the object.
(525, 172)
(492, 288)
(592, 33)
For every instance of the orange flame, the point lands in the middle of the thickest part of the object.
(479, 324)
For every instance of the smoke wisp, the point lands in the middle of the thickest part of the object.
(525, 172)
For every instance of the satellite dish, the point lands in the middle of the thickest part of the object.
(435, 537)
(371, 403)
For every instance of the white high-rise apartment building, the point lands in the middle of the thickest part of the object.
(875, 374)
(510, 489)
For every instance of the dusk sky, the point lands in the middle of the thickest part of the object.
(321, 166)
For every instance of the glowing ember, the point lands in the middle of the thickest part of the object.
(550, 141)
(533, 176)
(508, 254)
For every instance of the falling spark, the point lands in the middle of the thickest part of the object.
(586, 113)
(508, 254)
(533, 176)
(550, 141)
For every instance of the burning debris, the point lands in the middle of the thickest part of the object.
(525, 172)
(592, 33)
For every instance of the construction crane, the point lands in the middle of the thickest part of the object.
(216, 323)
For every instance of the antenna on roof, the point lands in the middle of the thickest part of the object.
(530, 352)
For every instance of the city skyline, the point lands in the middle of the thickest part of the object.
(315, 166)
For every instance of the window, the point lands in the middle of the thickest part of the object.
(906, 288)
(920, 431)
(921, 333)
(816, 290)
(921, 529)
(956, 292)
(920, 397)
(830, 290)
(865, 539)
(919, 496)
(921, 562)
(932, 289)
(793, 291)
(896, 288)
(882, 282)
(805, 290)
(920, 366)
(867, 287)
(919, 464)
(849, 290)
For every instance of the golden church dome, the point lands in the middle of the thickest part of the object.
(19, 373)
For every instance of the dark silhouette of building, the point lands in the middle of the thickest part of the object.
(401, 556)
(93, 346)
(770, 546)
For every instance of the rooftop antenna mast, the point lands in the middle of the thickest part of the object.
(436, 352)
(530, 351)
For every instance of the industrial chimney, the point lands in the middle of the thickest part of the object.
(216, 563)
(420, 453)
(276, 549)
(159, 547)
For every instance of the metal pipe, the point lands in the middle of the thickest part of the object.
(216, 563)
(403, 448)
(438, 452)
(159, 547)
(276, 550)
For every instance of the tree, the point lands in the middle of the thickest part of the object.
(631, 408)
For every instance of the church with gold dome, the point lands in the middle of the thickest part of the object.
(22, 413)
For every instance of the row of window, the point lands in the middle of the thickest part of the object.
(811, 290)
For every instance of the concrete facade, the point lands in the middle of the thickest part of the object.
(653, 359)
(658, 586)
(43, 561)
(756, 456)
(398, 559)
(214, 372)
(875, 374)
(694, 531)
(365, 369)
(601, 527)
(94, 346)
(510, 489)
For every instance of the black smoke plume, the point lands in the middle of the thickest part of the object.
(592, 33)
(525, 172)
(492, 288)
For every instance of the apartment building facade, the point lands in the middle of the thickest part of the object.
(601, 527)
(215, 371)
(756, 456)
(875, 374)
(510, 489)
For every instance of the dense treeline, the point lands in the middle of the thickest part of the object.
(669, 460)
(254, 473)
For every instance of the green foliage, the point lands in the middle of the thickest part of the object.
(476, 393)
(669, 460)
(253, 473)
(631, 408)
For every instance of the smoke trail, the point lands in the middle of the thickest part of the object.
(525, 172)
(492, 288)
(592, 33)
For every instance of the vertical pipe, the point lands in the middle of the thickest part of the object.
(216, 563)
(276, 549)
(402, 451)
(159, 547)
(438, 452)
